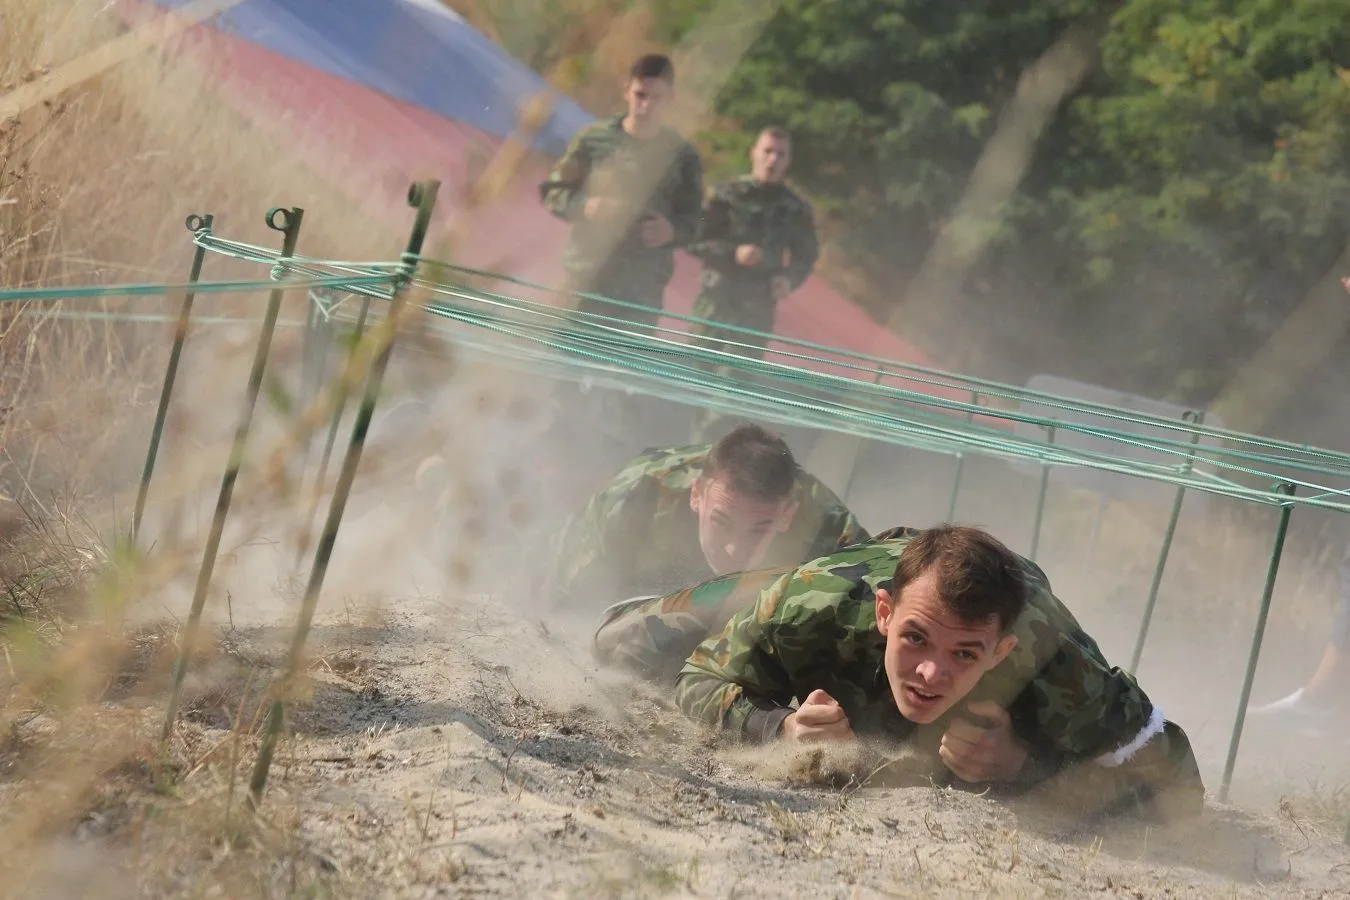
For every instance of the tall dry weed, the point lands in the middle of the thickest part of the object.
(94, 187)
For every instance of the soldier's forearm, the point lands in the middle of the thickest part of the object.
(724, 705)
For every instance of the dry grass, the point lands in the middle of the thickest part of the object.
(146, 143)
(150, 142)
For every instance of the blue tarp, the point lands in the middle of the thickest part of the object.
(417, 51)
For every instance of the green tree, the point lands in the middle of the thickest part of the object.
(1195, 185)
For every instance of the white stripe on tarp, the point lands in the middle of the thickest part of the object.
(435, 6)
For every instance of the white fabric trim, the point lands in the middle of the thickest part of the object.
(1122, 755)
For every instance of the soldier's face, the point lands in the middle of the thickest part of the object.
(735, 530)
(647, 100)
(769, 159)
(933, 659)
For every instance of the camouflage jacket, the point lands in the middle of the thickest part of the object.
(770, 216)
(815, 627)
(663, 175)
(639, 536)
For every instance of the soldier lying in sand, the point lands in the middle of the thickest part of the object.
(942, 640)
(676, 516)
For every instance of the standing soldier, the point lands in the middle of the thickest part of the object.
(758, 244)
(631, 188)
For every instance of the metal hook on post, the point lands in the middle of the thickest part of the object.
(287, 221)
(422, 196)
(197, 225)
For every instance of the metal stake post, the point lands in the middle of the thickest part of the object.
(1285, 509)
(1040, 498)
(422, 196)
(314, 363)
(1197, 418)
(194, 224)
(960, 463)
(339, 408)
(287, 221)
(853, 469)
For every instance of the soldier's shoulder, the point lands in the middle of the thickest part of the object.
(795, 201)
(841, 571)
(829, 601)
(669, 464)
(598, 130)
(817, 493)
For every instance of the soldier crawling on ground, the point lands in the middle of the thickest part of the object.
(675, 516)
(942, 641)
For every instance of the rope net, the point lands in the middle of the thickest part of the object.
(795, 383)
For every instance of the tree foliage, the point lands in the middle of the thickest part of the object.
(1181, 203)
(1197, 183)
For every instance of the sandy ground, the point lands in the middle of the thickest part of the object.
(458, 749)
(460, 741)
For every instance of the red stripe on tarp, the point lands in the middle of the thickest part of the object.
(371, 146)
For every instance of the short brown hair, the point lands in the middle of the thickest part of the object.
(653, 65)
(755, 462)
(777, 132)
(977, 576)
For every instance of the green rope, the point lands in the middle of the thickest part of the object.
(161, 289)
(797, 382)
(829, 383)
(870, 364)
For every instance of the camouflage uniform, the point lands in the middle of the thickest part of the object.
(603, 159)
(814, 626)
(769, 216)
(638, 534)
(775, 219)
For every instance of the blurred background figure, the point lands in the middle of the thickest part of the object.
(758, 244)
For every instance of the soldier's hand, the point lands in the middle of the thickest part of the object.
(818, 718)
(749, 255)
(780, 287)
(982, 753)
(656, 230)
(1345, 282)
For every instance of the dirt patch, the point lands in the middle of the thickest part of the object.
(463, 751)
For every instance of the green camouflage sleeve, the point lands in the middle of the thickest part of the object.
(1079, 709)
(735, 680)
(653, 637)
(562, 191)
(686, 202)
(713, 243)
(803, 247)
